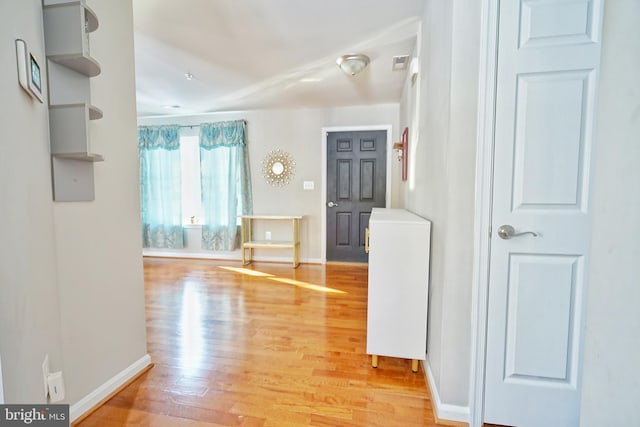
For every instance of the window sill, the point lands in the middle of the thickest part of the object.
(191, 225)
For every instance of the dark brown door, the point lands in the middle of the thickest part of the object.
(356, 183)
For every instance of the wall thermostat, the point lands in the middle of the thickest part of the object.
(29, 71)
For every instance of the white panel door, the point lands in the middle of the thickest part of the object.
(548, 59)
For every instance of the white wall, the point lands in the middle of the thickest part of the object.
(441, 188)
(426, 190)
(611, 383)
(461, 152)
(98, 243)
(71, 282)
(297, 131)
(410, 118)
(441, 181)
(29, 307)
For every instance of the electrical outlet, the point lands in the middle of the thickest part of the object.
(267, 235)
(56, 386)
(45, 376)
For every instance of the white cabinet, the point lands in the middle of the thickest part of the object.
(67, 25)
(399, 244)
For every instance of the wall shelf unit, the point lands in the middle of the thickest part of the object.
(67, 25)
(80, 63)
(69, 131)
(249, 244)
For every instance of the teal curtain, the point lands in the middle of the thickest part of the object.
(226, 183)
(160, 186)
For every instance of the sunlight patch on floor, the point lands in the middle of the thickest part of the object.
(246, 271)
(191, 330)
(293, 282)
(306, 285)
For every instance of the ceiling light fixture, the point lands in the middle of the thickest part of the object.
(353, 63)
(188, 76)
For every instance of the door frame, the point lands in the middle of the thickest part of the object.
(387, 201)
(485, 147)
(485, 132)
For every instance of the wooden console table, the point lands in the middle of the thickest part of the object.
(248, 244)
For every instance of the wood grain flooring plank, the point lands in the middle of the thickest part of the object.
(265, 345)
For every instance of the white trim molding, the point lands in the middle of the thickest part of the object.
(161, 253)
(93, 399)
(323, 187)
(443, 411)
(222, 256)
(483, 197)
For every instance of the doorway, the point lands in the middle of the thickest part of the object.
(356, 178)
(533, 212)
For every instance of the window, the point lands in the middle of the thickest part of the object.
(191, 193)
(191, 184)
(186, 179)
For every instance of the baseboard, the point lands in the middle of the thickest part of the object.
(223, 256)
(449, 415)
(195, 255)
(99, 395)
(286, 260)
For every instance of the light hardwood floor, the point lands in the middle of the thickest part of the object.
(265, 345)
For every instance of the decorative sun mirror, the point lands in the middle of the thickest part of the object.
(278, 168)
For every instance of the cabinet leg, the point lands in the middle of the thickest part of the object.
(374, 360)
(414, 365)
(247, 256)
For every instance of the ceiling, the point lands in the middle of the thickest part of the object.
(250, 54)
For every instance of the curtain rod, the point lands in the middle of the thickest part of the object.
(197, 126)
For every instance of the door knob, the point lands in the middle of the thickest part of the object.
(332, 205)
(506, 232)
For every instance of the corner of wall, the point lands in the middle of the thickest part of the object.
(443, 183)
(29, 308)
(445, 414)
(102, 308)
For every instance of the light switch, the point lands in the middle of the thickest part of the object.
(308, 185)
